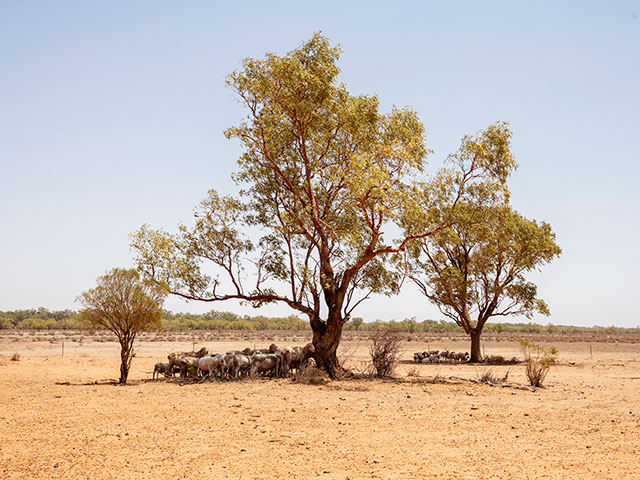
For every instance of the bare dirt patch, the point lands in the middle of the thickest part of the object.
(57, 423)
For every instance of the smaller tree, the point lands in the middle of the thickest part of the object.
(126, 305)
(476, 269)
(356, 322)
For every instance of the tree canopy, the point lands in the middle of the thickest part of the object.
(323, 175)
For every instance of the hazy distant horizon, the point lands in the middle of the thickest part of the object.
(260, 312)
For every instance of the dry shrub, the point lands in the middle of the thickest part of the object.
(15, 357)
(536, 373)
(310, 375)
(489, 377)
(385, 351)
(538, 361)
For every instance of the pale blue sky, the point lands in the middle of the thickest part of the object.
(111, 116)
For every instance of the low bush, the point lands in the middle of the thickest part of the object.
(538, 361)
(385, 351)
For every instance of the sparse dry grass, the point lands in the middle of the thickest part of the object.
(583, 425)
(310, 375)
(488, 376)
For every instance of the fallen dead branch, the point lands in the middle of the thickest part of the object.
(504, 385)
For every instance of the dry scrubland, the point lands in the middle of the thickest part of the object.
(55, 422)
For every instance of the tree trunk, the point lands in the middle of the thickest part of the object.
(326, 343)
(475, 347)
(126, 350)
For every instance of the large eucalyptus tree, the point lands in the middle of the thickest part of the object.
(323, 174)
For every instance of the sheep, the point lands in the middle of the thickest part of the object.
(241, 364)
(273, 348)
(228, 360)
(435, 356)
(266, 363)
(296, 357)
(289, 359)
(176, 356)
(431, 359)
(219, 364)
(271, 361)
(422, 357)
(190, 366)
(211, 364)
(161, 368)
(200, 353)
(174, 359)
(185, 364)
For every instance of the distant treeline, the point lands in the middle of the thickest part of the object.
(43, 319)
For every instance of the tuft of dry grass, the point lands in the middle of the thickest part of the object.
(489, 377)
(15, 357)
(310, 375)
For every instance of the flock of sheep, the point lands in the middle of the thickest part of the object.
(274, 361)
(436, 356)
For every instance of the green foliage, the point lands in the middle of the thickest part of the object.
(126, 305)
(324, 173)
(324, 170)
(6, 323)
(39, 319)
(229, 321)
(122, 303)
(354, 324)
(477, 269)
(215, 320)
